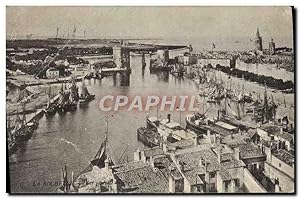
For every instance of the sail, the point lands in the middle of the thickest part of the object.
(101, 155)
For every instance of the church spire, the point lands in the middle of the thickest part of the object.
(257, 33)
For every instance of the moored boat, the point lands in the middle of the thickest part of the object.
(196, 122)
(148, 136)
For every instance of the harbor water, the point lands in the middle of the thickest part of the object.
(75, 137)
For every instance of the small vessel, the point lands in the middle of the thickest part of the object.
(85, 95)
(148, 136)
(22, 131)
(159, 65)
(177, 70)
(68, 98)
(196, 122)
(51, 107)
(99, 164)
(33, 124)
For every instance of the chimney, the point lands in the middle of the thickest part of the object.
(169, 118)
(143, 158)
(281, 130)
(72, 177)
(261, 147)
(214, 138)
(219, 155)
(106, 163)
(278, 145)
(237, 153)
(201, 162)
(196, 140)
(151, 161)
(208, 132)
(171, 184)
(114, 186)
(164, 147)
(137, 155)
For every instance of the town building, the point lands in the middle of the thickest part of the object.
(52, 73)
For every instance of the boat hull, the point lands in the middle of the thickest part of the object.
(198, 129)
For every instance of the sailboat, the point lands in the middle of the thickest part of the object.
(69, 98)
(50, 108)
(85, 96)
(22, 131)
(99, 161)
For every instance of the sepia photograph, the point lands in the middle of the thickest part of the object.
(150, 100)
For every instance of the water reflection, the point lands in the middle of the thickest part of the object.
(84, 128)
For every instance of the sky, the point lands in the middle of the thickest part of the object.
(205, 23)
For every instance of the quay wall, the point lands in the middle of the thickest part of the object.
(214, 62)
(266, 70)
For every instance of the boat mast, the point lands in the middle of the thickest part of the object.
(266, 103)
(106, 134)
(24, 116)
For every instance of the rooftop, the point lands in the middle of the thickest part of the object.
(250, 150)
(226, 125)
(153, 152)
(219, 130)
(285, 156)
(142, 179)
(276, 130)
(167, 167)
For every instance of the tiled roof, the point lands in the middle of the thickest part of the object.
(251, 132)
(250, 150)
(285, 156)
(229, 161)
(286, 136)
(153, 152)
(270, 128)
(192, 168)
(225, 175)
(167, 167)
(143, 180)
(275, 130)
(182, 143)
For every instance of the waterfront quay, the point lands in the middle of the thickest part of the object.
(228, 145)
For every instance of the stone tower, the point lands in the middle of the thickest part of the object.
(272, 47)
(258, 41)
